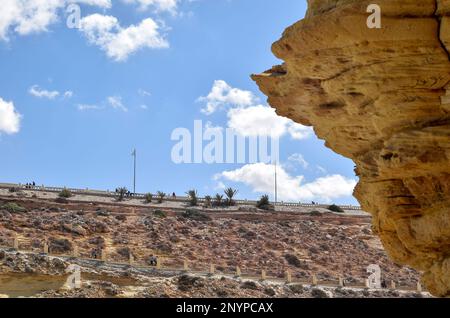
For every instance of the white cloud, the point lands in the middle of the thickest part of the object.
(116, 103)
(68, 94)
(144, 93)
(9, 118)
(144, 107)
(36, 91)
(118, 43)
(260, 177)
(158, 5)
(263, 121)
(248, 118)
(297, 131)
(321, 169)
(85, 107)
(223, 95)
(99, 3)
(299, 159)
(25, 17)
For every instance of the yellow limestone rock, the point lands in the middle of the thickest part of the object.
(382, 98)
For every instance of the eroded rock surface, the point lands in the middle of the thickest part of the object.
(379, 97)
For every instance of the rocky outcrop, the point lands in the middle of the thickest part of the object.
(382, 98)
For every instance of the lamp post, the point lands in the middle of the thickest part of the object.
(276, 185)
(134, 175)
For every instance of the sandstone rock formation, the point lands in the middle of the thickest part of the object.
(379, 97)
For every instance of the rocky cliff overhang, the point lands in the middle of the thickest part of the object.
(382, 98)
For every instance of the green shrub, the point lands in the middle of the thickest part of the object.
(296, 288)
(161, 195)
(315, 213)
(65, 193)
(193, 197)
(249, 285)
(186, 282)
(335, 208)
(319, 293)
(121, 192)
(292, 260)
(196, 216)
(61, 200)
(14, 208)
(160, 214)
(264, 203)
(148, 198)
(269, 292)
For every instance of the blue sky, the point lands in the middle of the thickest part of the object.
(75, 102)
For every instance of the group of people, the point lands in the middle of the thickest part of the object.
(31, 185)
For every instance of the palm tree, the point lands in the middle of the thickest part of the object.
(193, 197)
(218, 200)
(230, 193)
(161, 195)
